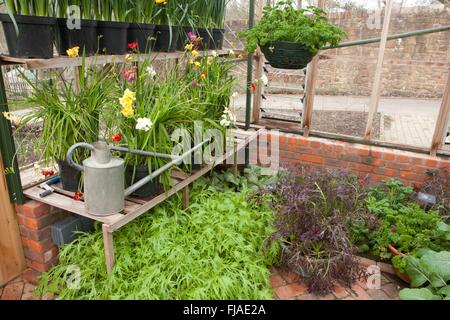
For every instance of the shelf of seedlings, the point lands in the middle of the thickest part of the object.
(134, 207)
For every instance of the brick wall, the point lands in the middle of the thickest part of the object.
(381, 163)
(35, 220)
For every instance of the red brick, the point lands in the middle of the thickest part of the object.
(48, 296)
(377, 294)
(303, 142)
(431, 163)
(403, 158)
(315, 144)
(276, 281)
(39, 223)
(359, 293)
(39, 246)
(290, 277)
(340, 292)
(31, 276)
(290, 291)
(13, 291)
(36, 235)
(42, 267)
(391, 290)
(307, 296)
(34, 209)
(312, 158)
(379, 163)
(364, 151)
(417, 161)
(389, 155)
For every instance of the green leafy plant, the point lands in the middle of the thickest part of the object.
(399, 222)
(283, 22)
(216, 249)
(431, 269)
(69, 109)
(142, 11)
(29, 7)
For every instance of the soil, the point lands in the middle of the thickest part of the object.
(351, 123)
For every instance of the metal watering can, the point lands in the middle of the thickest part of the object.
(104, 176)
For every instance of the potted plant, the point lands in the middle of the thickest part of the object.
(167, 34)
(83, 35)
(289, 37)
(142, 28)
(28, 28)
(218, 16)
(113, 28)
(69, 113)
(150, 110)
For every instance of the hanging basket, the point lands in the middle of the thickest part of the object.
(287, 55)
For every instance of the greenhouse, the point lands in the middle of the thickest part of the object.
(225, 150)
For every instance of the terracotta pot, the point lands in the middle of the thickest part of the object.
(401, 275)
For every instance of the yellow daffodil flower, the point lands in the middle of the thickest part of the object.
(161, 1)
(189, 47)
(73, 52)
(197, 64)
(129, 97)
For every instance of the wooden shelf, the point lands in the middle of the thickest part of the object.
(65, 62)
(134, 208)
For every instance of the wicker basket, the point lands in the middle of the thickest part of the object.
(287, 55)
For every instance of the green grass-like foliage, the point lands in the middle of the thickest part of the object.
(282, 22)
(214, 250)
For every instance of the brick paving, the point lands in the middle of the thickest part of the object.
(21, 289)
(288, 286)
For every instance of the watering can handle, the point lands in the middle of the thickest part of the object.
(72, 150)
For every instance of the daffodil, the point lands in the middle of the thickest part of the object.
(161, 2)
(197, 64)
(73, 52)
(189, 47)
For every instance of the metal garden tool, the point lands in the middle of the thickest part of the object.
(104, 190)
(46, 186)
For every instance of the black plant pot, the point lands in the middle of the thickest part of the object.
(35, 38)
(85, 37)
(287, 55)
(166, 38)
(70, 177)
(143, 34)
(113, 37)
(152, 188)
(207, 38)
(217, 39)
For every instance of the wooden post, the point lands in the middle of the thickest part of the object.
(186, 197)
(109, 248)
(257, 95)
(376, 89)
(442, 121)
(12, 260)
(308, 105)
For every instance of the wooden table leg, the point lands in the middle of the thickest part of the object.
(109, 248)
(186, 197)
